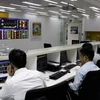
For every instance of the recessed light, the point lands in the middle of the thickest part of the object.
(6, 7)
(64, 3)
(36, 7)
(18, 5)
(30, 3)
(75, 16)
(51, 1)
(73, 0)
(55, 5)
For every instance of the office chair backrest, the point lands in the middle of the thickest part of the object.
(56, 92)
(47, 45)
(98, 63)
(90, 88)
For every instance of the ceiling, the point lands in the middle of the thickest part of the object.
(83, 4)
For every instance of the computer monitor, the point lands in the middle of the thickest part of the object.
(3, 66)
(63, 57)
(77, 57)
(47, 45)
(42, 62)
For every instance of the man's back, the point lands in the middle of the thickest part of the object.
(22, 81)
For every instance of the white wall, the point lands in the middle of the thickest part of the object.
(92, 24)
(51, 28)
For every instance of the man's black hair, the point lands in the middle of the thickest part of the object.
(87, 45)
(18, 58)
(87, 52)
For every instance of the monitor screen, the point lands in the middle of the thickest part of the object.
(42, 63)
(63, 57)
(3, 66)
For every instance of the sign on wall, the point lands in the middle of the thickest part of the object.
(36, 29)
(74, 30)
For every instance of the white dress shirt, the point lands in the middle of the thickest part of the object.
(22, 81)
(96, 58)
(80, 75)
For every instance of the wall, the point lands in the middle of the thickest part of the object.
(51, 28)
(91, 24)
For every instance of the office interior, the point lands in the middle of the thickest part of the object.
(64, 25)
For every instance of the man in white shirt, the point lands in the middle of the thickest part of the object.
(96, 56)
(86, 56)
(20, 79)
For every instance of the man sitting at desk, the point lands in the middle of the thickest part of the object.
(86, 57)
(20, 79)
(96, 56)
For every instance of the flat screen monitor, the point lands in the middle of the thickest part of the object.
(42, 62)
(3, 66)
(63, 57)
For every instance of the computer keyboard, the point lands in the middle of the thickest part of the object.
(68, 67)
(59, 74)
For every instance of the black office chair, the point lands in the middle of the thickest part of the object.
(47, 45)
(56, 92)
(90, 88)
(98, 63)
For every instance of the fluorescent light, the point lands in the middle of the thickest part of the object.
(80, 9)
(71, 4)
(7, 7)
(44, 14)
(75, 16)
(97, 14)
(30, 3)
(94, 8)
(64, 3)
(73, 0)
(36, 7)
(14, 10)
(65, 12)
(64, 17)
(41, 12)
(51, 1)
(85, 15)
(32, 13)
(55, 5)
(2, 10)
(53, 11)
(18, 5)
(53, 16)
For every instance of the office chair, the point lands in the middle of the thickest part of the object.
(56, 92)
(90, 88)
(98, 63)
(47, 45)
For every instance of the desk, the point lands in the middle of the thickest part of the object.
(67, 77)
(50, 82)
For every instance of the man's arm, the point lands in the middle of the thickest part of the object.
(77, 81)
(5, 92)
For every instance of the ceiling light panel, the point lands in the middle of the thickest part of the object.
(36, 7)
(30, 3)
(55, 5)
(18, 5)
(7, 7)
(73, 0)
(64, 3)
(14, 10)
(51, 1)
(75, 16)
